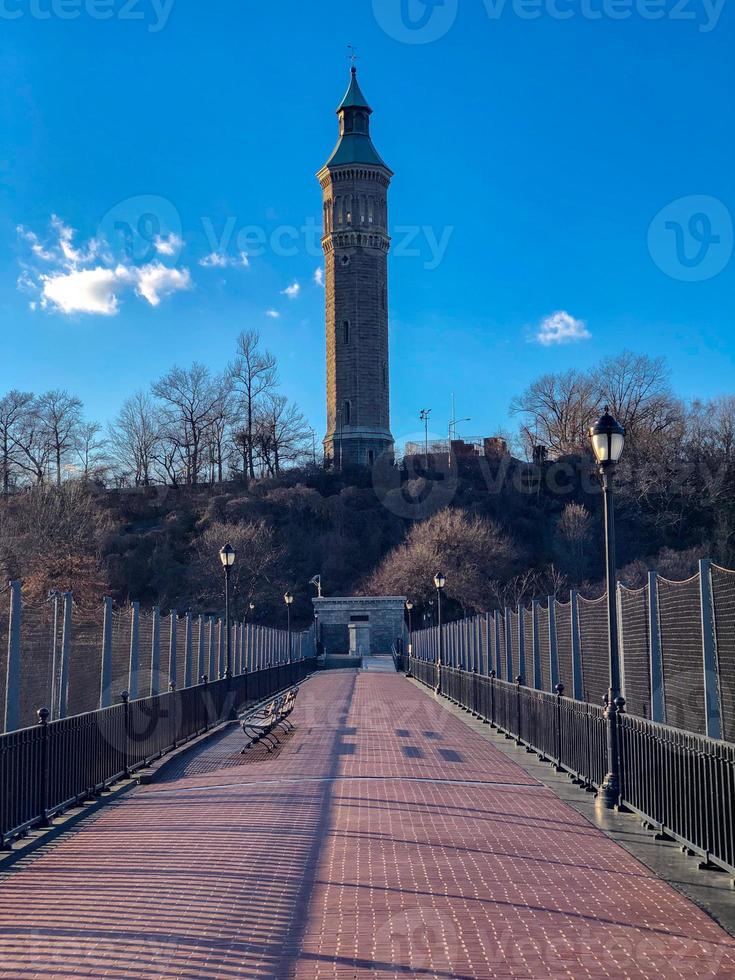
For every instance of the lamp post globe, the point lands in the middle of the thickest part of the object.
(607, 437)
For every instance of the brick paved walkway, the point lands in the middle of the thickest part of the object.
(392, 842)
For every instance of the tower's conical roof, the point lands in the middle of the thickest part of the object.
(354, 144)
(354, 99)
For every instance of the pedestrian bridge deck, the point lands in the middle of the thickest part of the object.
(383, 838)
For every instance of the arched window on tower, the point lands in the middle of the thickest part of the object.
(346, 331)
(347, 413)
(348, 205)
(338, 210)
(385, 375)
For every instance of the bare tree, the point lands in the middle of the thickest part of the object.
(282, 433)
(253, 374)
(134, 436)
(636, 388)
(574, 530)
(32, 445)
(471, 551)
(256, 572)
(190, 399)
(60, 415)
(556, 411)
(13, 409)
(91, 451)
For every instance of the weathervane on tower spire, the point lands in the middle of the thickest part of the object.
(353, 57)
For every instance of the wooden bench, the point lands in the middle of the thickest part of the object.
(262, 724)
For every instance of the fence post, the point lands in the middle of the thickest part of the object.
(621, 634)
(12, 675)
(212, 672)
(156, 652)
(709, 652)
(658, 702)
(536, 640)
(106, 671)
(172, 618)
(508, 645)
(221, 646)
(498, 650)
(65, 650)
(201, 649)
(189, 652)
(488, 661)
(577, 679)
(519, 681)
(134, 650)
(125, 697)
(559, 691)
(522, 642)
(553, 644)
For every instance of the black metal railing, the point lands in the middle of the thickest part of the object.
(46, 769)
(682, 784)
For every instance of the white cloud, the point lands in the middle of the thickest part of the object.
(86, 279)
(273, 314)
(82, 291)
(218, 260)
(292, 291)
(154, 281)
(561, 328)
(168, 244)
(319, 276)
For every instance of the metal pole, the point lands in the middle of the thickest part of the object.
(441, 641)
(12, 677)
(228, 636)
(134, 651)
(288, 610)
(65, 649)
(106, 669)
(609, 793)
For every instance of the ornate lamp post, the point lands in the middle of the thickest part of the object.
(227, 557)
(608, 439)
(439, 583)
(288, 599)
(409, 607)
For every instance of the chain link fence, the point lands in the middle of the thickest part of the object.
(676, 647)
(73, 659)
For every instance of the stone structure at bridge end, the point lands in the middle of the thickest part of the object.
(358, 626)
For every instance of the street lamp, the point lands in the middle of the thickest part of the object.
(608, 439)
(288, 599)
(409, 607)
(227, 557)
(439, 582)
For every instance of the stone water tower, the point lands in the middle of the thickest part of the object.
(355, 183)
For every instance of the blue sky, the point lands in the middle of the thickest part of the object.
(580, 163)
